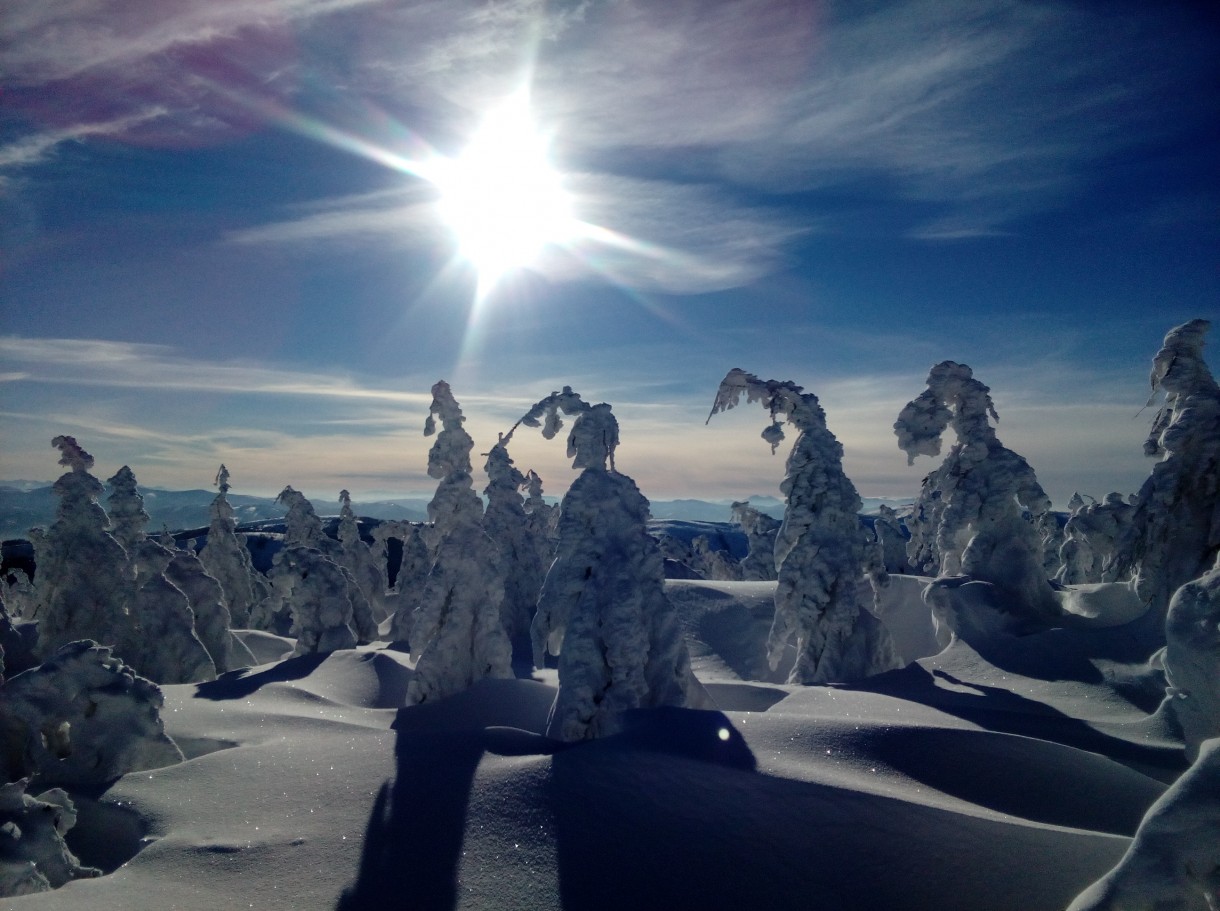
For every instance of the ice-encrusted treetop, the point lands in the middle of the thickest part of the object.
(72, 454)
(954, 397)
(783, 398)
(303, 528)
(77, 489)
(349, 530)
(1179, 371)
(127, 514)
(451, 451)
(449, 462)
(594, 435)
(221, 510)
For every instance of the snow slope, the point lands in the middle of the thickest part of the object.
(1010, 780)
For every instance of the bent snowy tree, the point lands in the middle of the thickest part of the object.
(603, 608)
(969, 518)
(822, 553)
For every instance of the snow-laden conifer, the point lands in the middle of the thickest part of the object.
(891, 540)
(507, 524)
(84, 583)
(456, 632)
(543, 519)
(969, 518)
(227, 559)
(603, 608)
(319, 593)
(822, 553)
(1090, 536)
(161, 641)
(358, 559)
(303, 528)
(761, 530)
(1174, 534)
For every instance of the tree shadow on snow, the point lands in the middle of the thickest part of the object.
(414, 838)
(413, 841)
(239, 684)
(1003, 711)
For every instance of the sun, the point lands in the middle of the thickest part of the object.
(502, 198)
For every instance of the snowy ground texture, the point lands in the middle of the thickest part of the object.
(1010, 780)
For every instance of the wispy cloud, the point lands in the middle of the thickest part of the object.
(35, 147)
(159, 367)
(976, 114)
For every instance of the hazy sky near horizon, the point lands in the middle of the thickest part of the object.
(211, 249)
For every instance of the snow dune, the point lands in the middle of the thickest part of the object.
(1005, 780)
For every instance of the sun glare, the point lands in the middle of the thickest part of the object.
(502, 198)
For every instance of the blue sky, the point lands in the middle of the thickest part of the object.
(211, 251)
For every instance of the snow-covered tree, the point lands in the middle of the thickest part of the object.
(969, 518)
(33, 854)
(83, 583)
(303, 528)
(1090, 536)
(543, 518)
(1192, 659)
(822, 553)
(358, 559)
(507, 524)
(890, 540)
(1174, 535)
(161, 641)
(456, 632)
(1173, 863)
(318, 590)
(81, 718)
(207, 600)
(761, 530)
(710, 563)
(227, 559)
(603, 608)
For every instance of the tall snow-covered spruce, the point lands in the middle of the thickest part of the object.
(1174, 532)
(603, 608)
(507, 524)
(456, 632)
(227, 559)
(969, 518)
(822, 552)
(82, 583)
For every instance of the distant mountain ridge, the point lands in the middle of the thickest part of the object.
(23, 509)
(26, 504)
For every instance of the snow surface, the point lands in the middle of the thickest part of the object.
(1007, 778)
